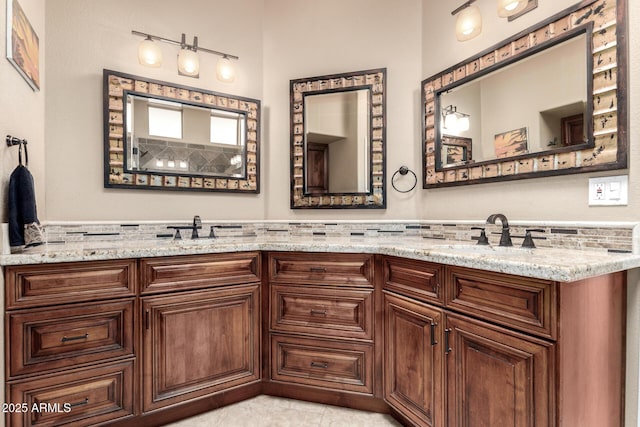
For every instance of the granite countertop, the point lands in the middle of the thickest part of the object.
(557, 264)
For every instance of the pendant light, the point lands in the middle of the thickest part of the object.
(149, 53)
(468, 23)
(508, 8)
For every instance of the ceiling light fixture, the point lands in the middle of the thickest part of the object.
(468, 22)
(149, 54)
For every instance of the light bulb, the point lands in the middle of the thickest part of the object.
(463, 124)
(188, 63)
(450, 121)
(468, 23)
(225, 71)
(149, 53)
(508, 8)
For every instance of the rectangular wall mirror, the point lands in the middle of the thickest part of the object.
(547, 101)
(162, 136)
(337, 141)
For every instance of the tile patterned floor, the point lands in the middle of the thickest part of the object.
(269, 411)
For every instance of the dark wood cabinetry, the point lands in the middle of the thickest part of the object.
(514, 351)
(150, 341)
(198, 343)
(69, 362)
(322, 326)
(414, 369)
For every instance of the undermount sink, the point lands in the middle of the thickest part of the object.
(484, 249)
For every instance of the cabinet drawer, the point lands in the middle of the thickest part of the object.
(342, 313)
(416, 279)
(49, 339)
(198, 271)
(354, 270)
(520, 302)
(29, 286)
(322, 363)
(83, 397)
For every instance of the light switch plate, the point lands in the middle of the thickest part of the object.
(609, 191)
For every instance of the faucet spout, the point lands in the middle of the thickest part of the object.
(505, 237)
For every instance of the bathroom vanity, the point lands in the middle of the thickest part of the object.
(133, 338)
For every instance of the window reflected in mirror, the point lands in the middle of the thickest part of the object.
(166, 136)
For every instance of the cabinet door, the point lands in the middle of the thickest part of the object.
(496, 377)
(199, 343)
(413, 362)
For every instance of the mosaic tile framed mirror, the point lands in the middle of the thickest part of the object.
(338, 132)
(567, 117)
(162, 136)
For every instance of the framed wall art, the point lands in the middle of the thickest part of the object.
(23, 45)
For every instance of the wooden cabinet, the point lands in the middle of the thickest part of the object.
(199, 343)
(70, 352)
(414, 369)
(200, 326)
(322, 316)
(503, 350)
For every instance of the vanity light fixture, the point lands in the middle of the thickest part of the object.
(507, 8)
(149, 54)
(468, 22)
(455, 121)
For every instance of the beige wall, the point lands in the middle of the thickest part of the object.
(86, 36)
(22, 111)
(304, 38)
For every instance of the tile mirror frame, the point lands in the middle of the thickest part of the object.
(373, 80)
(117, 86)
(609, 85)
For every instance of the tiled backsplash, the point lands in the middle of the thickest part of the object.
(613, 237)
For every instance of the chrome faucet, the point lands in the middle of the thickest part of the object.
(505, 237)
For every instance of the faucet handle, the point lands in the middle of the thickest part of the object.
(528, 238)
(482, 240)
(197, 222)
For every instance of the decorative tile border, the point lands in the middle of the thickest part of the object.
(612, 237)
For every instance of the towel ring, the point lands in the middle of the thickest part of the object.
(403, 171)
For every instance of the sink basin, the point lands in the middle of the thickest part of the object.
(484, 249)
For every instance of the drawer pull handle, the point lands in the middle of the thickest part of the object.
(79, 337)
(318, 270)
(318, 312)
(323, 365)
(81, 403)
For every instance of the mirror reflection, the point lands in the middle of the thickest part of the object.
(536, 104)
(174, 137)
(337, 146)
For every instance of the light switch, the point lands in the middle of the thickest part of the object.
(608, 191)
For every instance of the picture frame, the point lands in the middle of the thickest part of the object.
(23, 45)
(511, 143)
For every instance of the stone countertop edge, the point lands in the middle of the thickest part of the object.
(562, 265)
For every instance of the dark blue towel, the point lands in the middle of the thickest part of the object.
(22, 208)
